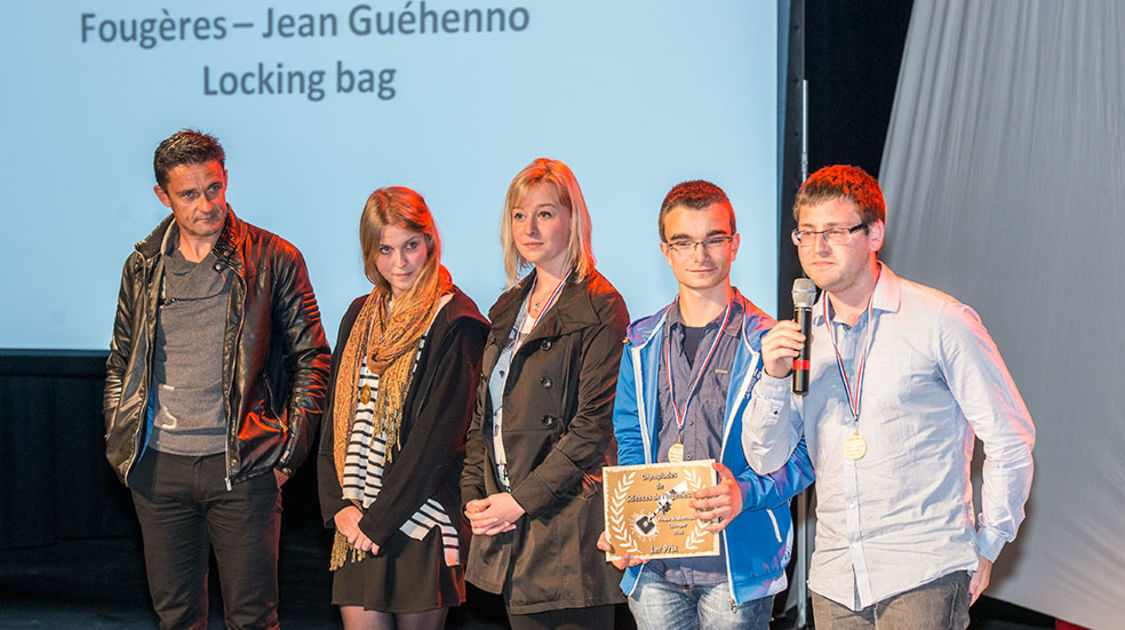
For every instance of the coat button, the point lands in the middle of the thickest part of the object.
(546, 345)
(548, 421)
(545, 382)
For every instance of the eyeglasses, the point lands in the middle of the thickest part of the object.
(832, 236)
(683, 247)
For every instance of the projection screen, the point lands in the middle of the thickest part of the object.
(319, 103)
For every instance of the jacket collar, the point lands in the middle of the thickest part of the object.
(225, 249)
(572, 311)
(646, 329)
(156, 241)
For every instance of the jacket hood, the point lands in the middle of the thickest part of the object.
(462, 306)
(755, 323)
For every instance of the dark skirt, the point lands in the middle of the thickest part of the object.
(408, 576)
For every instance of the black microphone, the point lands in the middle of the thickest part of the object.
(804, 294)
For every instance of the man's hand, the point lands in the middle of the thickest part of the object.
(780, 346)
(624, 561)
(494, 514)
(347, 523)
(722, 501)
(979, 581)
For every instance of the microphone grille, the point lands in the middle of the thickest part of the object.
(804, 293)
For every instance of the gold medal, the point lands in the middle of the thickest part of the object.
(365, 394)
(676, 453)
(855, 447)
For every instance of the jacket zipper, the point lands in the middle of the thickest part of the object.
(149, 330)
(776, 529)
(226, 394)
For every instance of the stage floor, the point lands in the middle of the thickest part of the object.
(99, 584)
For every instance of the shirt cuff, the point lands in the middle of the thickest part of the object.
(765, 430)
(771, 395)
(772, 388)
(989, 543)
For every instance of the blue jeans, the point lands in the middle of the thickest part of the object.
(659, 604)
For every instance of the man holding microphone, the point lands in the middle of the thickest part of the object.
(902, 377)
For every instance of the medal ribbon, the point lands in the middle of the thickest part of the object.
(546, 305)
(853, 401)
(682, 416)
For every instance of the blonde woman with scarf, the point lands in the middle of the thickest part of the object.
(404, 373)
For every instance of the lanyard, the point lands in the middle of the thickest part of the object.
(681, 416)
(853, 400)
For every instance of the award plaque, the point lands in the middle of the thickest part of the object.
(647, 514)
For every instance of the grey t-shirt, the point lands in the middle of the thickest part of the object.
(188, 363)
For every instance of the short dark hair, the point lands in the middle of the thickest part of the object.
(841, 181)
(696, 194)
(187, 146)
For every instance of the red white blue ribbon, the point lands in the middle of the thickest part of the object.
(546, 305)
(682, 416)
(853, 401)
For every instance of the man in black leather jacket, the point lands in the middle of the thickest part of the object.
(215, 385)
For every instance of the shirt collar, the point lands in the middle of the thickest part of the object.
(887, 295)
(888, 290)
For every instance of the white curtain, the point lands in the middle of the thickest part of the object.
(1004, 175)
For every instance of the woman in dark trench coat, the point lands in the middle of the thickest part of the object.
(543, 425)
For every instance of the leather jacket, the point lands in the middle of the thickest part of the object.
(275, 355)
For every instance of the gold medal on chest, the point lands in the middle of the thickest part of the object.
(855, 447)
(676, 453)
(365, 394)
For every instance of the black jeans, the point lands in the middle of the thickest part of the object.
(185, 509)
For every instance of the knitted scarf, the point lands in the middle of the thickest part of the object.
(388, 338)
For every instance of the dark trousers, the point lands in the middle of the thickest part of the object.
(592, 618)
(942, 604)
(184, 509)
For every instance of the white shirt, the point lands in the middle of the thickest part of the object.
(902, 515)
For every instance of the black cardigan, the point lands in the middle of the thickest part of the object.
(438, 408)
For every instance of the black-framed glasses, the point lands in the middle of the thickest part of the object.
(683, 246)
(832, 236)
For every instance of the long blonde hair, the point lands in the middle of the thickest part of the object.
(578, 251)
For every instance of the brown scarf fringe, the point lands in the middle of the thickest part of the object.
(343, 553)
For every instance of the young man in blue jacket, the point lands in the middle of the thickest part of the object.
(685, 381)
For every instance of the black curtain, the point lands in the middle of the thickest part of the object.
(55, 482)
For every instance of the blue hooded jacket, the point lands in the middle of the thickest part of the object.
(757, 541)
